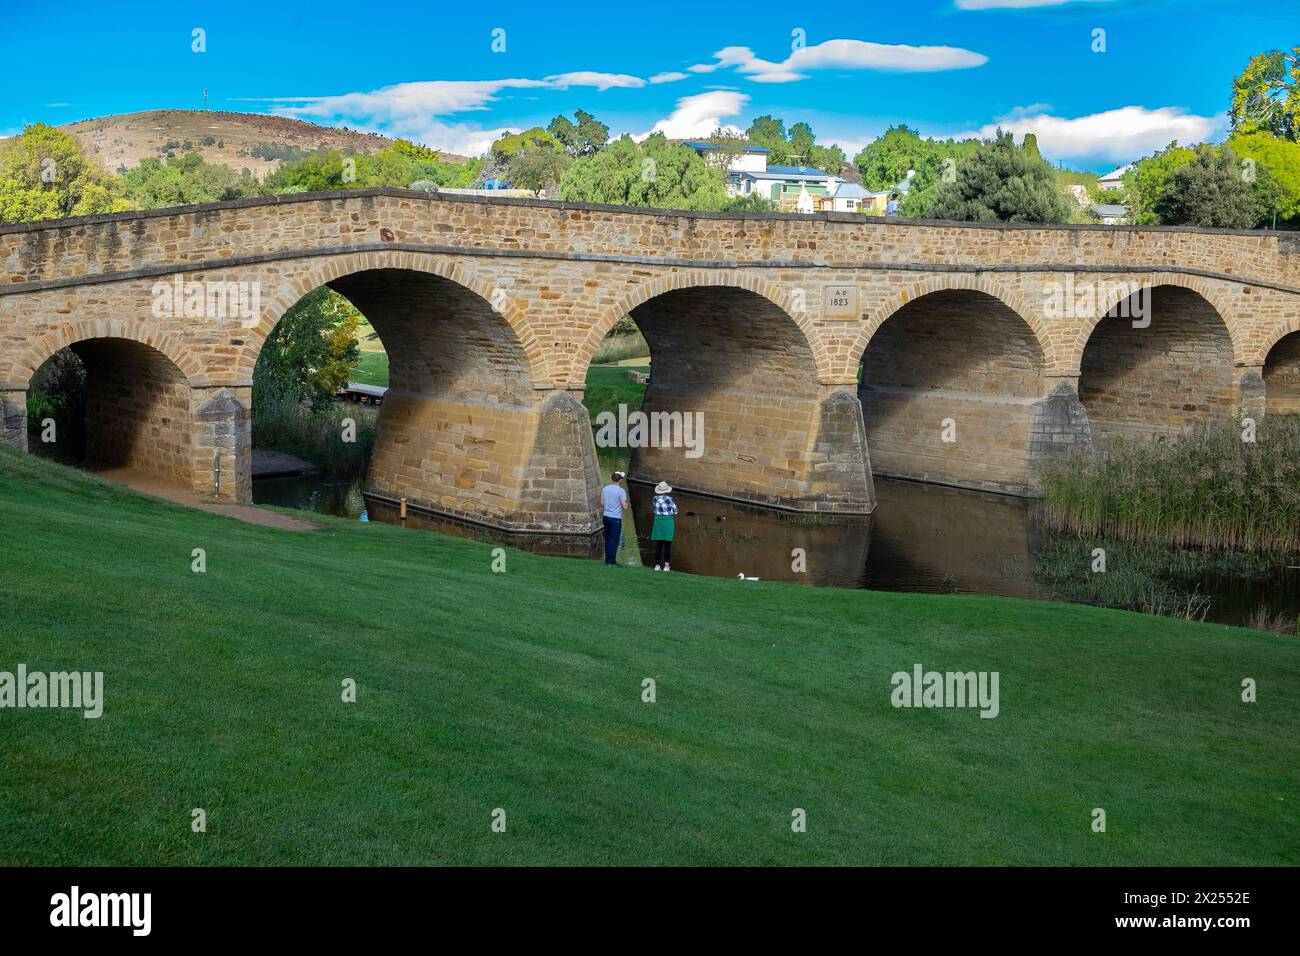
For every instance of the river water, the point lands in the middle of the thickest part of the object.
(922, 538)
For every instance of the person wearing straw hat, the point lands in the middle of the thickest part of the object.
(661, 532)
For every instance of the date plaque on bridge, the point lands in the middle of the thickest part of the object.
(840, 302)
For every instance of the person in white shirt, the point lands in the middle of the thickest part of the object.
(613, 502)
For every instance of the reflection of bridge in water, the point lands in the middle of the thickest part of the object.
(921, 538)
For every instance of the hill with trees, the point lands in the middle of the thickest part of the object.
(251, 141)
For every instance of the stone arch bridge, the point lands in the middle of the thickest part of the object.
(816, 348)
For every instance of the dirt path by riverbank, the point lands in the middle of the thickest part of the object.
(178, 494)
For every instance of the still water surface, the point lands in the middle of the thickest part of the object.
(922, 538)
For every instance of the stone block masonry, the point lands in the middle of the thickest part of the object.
(491, 309)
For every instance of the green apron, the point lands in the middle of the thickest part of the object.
(662, 529)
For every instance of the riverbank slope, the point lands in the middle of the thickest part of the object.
(523, 691)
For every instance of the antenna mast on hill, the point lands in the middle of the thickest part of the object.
(205, 99)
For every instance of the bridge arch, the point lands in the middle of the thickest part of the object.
(464, 431)
(773, 292)
(1280, 370)
(957, 281)
(119, 403)
(1163, 371)
(335, 268)
(148, 334)
(1114, 297)
(734, 356)
(1259, 355)
(951, 381)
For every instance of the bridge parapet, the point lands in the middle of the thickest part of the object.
(321, 223)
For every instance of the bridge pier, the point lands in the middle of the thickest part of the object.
(799, 454)
(1060, 423)
(222, 442)
(561, 478)
(13, 417)
(516, 468)
(1251, 392)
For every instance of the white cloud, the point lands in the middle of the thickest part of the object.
(852, 145)
(670, 77)
(413, 110)
(843, 55)
(1115, 135)
(601, 81)
(405, 101)
(462, 139)
(700, 115)
(1016, 4)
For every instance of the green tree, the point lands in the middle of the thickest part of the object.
(58, 391)
(1280, 159)
(728, 146)
(801, 143)
(328, 169)
(754, 202)
(1266, 95)
(582, 138)
(401, 165)
(1000, 182)
(1210, 190)
(537, 168)
(1029, 146)
(769, 132)
(45, 175)
(505, 148)
(185, 181)
(1148, 183)
(311, 351)
(885, 161)
(829, 159)
(655, 173)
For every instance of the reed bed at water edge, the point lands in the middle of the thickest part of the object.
(1206, 489)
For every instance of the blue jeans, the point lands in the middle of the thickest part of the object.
(613, 531)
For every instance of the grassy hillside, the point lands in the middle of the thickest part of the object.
(522, 691)
(250, 141)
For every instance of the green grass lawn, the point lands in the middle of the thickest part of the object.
(523, 691)
(373, 369)
(608, 386)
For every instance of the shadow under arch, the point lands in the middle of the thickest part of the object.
(146, 334)
(740, 382)
(1281, 374)
(951, 282)
(1280, 331)
(121, 404)
(1159, 368)
(1112, 300)
(337, 269)
(775, 295)
(952, 389)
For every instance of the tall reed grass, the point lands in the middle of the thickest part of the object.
(1206, 489)
(315, 434)
(617, 348)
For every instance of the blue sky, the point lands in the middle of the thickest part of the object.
(429, 72)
